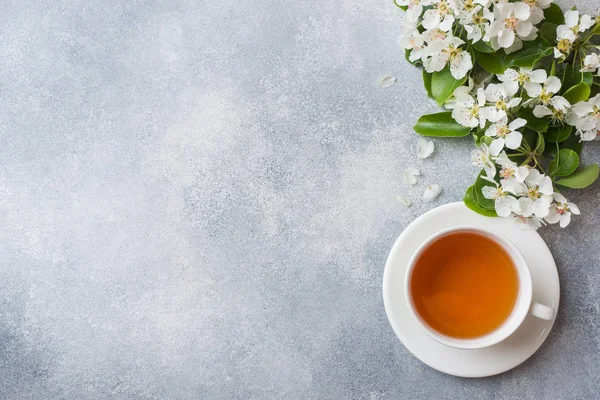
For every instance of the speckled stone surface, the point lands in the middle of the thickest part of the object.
(197, 200)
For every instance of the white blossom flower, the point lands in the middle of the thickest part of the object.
(510, 27)
(542, 94)
(538, 196)
(440, 16)
(440, 53)
(569, 32)
(557, 108)
(409, 175)
(530, 222)
(476, 21)
(500, 97)
(415, 42)
(504, 204)
(591, 63)
(469, 112)
(435, 34)
(505, 134)
(561, 211)
(565, 39)
(525, 77)
(537, 8)
(424, 148)
(414, 8)
(588, 118)
(481, 158)
(432, 192)
(512, 175)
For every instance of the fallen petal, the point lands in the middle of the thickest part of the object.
(403, 200)
(424, 148)
(386, 81)
(432, 192)
(409, 175)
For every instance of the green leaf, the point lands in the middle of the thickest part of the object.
(595, 88)
(487, 140)
(530, 137)
(553, 69)
(577, 93)
(582, 178)
(567, 80)
(427, 83)
(534, 123)
(587, 78)
(490, 62)
(483, 47)
(548, 31)
(554, 14)
(564, 163)
(540, 144)
(532, 52)
(471, 203)
(443, 85)
(557, 134)
(440, 125)
(572, 143)
(596, 30)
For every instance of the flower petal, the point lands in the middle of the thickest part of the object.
(431, 19)
(386, 81)
(538, 76)
(432, 192)
(552, 84)
(489, 192)
(585, 23)
(521, 173)
(496, 146)
(403, 200)
(510, 75)
(503, 206)
(513, 140)
(545, 185)
(553, 215)
(541, 207)
(525, 207)
(522, 11)
(517, 123)
(559, 197)
(424, 148)
(574, 209)
(524, 28)
(506, 38)
(409, 175)
(541, 111)
(565, 220)
(572, 18)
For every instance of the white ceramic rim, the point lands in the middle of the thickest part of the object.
(522, 304)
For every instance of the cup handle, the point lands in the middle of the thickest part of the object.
(541, 311)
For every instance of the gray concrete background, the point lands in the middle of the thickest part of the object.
(197, 201)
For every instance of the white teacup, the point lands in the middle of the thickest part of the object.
(523, 305)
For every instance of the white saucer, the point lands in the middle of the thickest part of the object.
(470, 363)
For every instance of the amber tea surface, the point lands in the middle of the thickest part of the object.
(464, 285)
